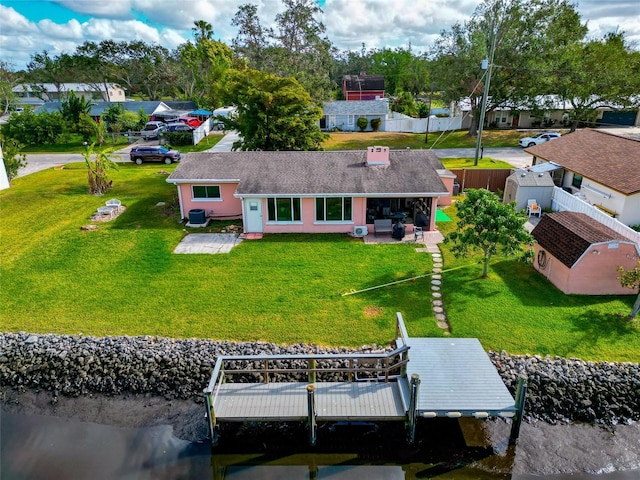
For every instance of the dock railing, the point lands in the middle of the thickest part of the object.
(377, 367)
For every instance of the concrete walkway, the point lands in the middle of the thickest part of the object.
(208, 243)
(226, 144)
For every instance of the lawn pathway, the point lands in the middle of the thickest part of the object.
(431, 246)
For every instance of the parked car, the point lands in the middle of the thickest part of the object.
(539, 138)
(151, 153)
(191, 121)
(179, 127)
(152, 130)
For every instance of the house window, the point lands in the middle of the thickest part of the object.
(284, 209)
(577, 180)
(205, 191)
(333, 209)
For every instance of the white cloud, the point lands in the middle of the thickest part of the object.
(13, 23)
(119, 9)
(71, 29)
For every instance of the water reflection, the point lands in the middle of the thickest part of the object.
(40, 447)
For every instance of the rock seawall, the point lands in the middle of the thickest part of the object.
(559, 389)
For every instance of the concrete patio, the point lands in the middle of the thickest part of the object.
(209, 243)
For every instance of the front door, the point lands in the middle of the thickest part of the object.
(253, 215)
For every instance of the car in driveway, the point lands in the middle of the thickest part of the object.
(179, 127)
(152, 153)
(538, 139)
(191, 121)
(152, 130)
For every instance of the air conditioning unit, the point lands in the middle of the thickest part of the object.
(360, 231)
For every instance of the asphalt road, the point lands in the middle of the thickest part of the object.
(42, 161)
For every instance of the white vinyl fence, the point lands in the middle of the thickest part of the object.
(398, 122)
(202, 131)
(561, 201)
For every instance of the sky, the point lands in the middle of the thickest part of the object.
(31, 26)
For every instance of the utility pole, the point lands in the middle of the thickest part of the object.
(487, 65)
(426, 135)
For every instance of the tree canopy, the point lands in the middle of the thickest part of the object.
(273, 113)
(631, 279)
(490, 226)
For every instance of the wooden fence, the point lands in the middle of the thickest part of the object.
(492, 179)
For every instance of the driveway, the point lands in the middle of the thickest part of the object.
(226, 144)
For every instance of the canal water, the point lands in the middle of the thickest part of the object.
(38, 447)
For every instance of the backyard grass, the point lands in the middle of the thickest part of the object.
(518, 310)
(485, 162)
(456, 139)
(123, 279)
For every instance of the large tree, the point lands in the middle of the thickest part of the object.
(631, 279)
(490, 226)
(204, 65)
(597, 73)
(8, 80)
(273, 113)
(516, 36)
(297, 47)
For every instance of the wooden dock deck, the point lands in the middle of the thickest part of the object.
(422, 377)
(335, 401)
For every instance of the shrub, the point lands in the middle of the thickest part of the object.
(13, 159)
(178, 138)
(375, 124)
(362, 123)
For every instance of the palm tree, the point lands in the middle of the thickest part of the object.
(202, 30)
(97, 169)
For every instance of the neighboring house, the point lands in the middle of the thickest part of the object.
(363, 87)
(579, 255)
(153, 108)
(601, 168)
(312, 192)
(524, 185)
(553, 112)
(343, 115)
(49, 92)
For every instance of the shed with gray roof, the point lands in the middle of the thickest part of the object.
(523, 185)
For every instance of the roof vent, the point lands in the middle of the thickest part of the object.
(377, 156)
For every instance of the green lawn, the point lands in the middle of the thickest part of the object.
(124, 279)
(457, 139)
(518, 310)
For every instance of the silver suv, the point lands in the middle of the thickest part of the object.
(152, 130)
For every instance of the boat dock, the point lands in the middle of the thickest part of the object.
(421, 377)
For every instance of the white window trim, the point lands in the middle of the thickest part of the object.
(332, 222)
(195, 199)
(284, 222)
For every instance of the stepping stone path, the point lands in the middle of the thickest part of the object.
(436, 285)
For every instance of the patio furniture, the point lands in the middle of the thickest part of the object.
(418, 232)
(106, 211)
(383, 225)
(533, 208)
(114, 204)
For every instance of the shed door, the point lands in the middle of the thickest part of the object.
(253, 215)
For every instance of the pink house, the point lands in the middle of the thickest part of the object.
(579, 255)
(313, 192)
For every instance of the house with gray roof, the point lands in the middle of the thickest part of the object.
(343, 115)
(312, 192)
(152, 108)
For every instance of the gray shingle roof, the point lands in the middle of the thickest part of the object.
(356, 107)
(410, 172)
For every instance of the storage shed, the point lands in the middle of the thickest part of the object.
(579, 255)
(523, 185)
